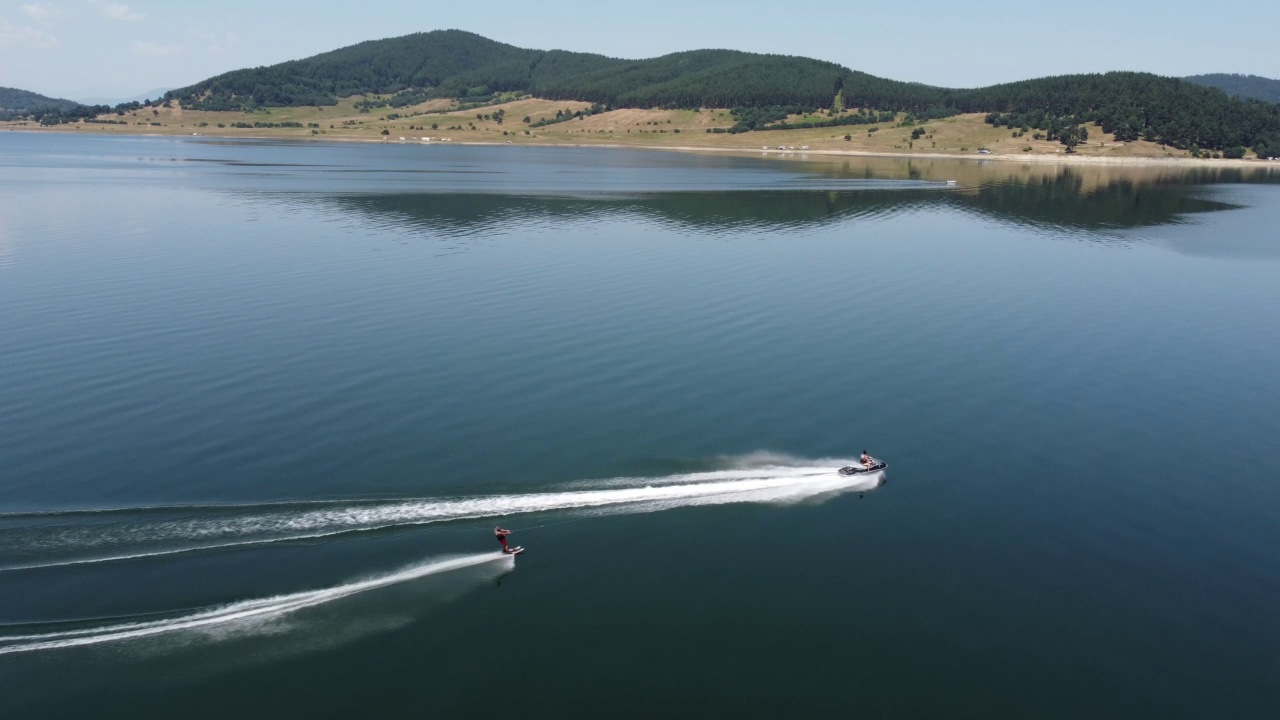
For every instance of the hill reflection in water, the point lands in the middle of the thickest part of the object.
(1065, 201)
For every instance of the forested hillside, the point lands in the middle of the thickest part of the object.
(458, 64)
(762, 89)
(13, 100)
(1137, 105)
(1254, 87)
(700, 78)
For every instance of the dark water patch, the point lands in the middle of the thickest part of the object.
(1059, 203)
(1063, 201)
(707, 212)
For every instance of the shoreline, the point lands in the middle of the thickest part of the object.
(798, 155)
(1070, 159)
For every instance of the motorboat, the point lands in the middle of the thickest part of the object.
(875, 467)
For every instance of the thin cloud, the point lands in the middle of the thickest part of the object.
(150, 49)
(217, 43)
(25, 36)
(42, 12)
(116, 11)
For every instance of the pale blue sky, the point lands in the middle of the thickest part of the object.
(114, 49)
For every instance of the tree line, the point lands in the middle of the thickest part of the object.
(1236, 85)
(463, 65)
(454, 64)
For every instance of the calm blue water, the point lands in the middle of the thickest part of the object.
(262, 404)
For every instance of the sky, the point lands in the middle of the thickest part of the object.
(109, 50)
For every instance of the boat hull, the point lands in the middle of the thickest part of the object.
(859, 470)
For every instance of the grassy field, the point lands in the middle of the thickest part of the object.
(446, 121)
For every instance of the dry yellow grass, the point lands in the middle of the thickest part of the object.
(960, 135)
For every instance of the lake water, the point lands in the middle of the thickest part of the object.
(261, 405)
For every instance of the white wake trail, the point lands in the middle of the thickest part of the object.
(240, 613)
(777, 484)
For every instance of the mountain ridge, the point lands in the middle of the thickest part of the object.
(16, 100)
(760, 89)
(413, 68)
(1253, 87)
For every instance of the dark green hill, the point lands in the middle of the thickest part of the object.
(23, 101)
(699, 78)
(1136, 105)
(452, 63)
(1253, 87)
(457, 64)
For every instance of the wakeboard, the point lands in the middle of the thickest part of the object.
(515, 551)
